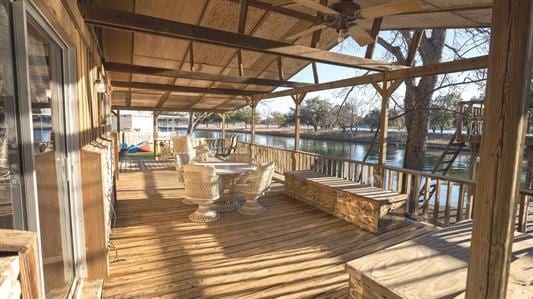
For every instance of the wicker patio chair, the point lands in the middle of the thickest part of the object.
(252, 185)
(203, 187)
(182, 146)
(241, 155)
(201, 148)
(179, 169)
(225, 152)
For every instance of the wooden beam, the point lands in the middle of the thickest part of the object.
(280, 68)
(185, 89)
(415, 42)
(374, 32)
(315, 39)
(191, 57)
(127, 21)
(281, 10)
(171, 73)
(434, 69)
(504, 126)
(242, 26)
(172, 109)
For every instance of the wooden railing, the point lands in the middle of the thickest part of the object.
(163, 147)
(441, 200)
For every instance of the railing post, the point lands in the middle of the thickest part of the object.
(298, 99)
(293, 161)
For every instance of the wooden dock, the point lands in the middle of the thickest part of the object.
(292, 250)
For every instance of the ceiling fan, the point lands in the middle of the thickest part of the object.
(343, 16)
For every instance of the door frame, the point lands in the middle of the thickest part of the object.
(73, 198)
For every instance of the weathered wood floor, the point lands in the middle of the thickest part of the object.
(293, 250)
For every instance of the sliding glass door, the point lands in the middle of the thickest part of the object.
(45, 69)
(11, 209)
(41, 58)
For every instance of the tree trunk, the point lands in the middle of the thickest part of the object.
(418, 99)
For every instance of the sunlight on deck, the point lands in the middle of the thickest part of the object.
(292, 250)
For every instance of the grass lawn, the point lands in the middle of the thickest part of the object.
(140, 156)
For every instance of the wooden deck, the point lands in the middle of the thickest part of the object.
(293, 250)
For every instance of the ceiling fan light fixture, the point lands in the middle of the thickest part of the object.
(340, 37)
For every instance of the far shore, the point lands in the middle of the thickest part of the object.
(396, 138)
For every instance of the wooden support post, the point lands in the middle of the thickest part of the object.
(472, 170)
(223, 129)
(504, 122)
(254, 106)
(154, 120)
(298, 99)
(118, 123)
(383, 128)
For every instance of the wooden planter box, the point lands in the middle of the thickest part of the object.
(366, 206)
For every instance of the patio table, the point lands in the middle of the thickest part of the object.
(228, 172)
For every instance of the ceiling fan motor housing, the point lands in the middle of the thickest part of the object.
(346, 7)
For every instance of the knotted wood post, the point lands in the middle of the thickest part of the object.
(298, 99)
(504, 125)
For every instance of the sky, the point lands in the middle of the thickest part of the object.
(365, 95)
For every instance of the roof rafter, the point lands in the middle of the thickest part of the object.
(163, 72)
(479, 62)
(122, 20)
(185, 89)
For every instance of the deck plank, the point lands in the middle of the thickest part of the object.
(293, 250)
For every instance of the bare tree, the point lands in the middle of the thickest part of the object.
(419, 93)
(195, 119)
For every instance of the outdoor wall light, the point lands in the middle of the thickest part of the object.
(99, 84)
(48, 93)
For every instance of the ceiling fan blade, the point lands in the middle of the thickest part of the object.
(360, 35)
(307, 3)
(389, 9)
(307, 31)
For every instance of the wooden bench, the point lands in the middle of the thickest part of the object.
(363, 205)
(433, 265)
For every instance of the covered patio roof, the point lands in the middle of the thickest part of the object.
(217, 55)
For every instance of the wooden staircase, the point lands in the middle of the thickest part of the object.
(443, 165)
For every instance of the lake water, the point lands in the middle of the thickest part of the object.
(350, 150)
